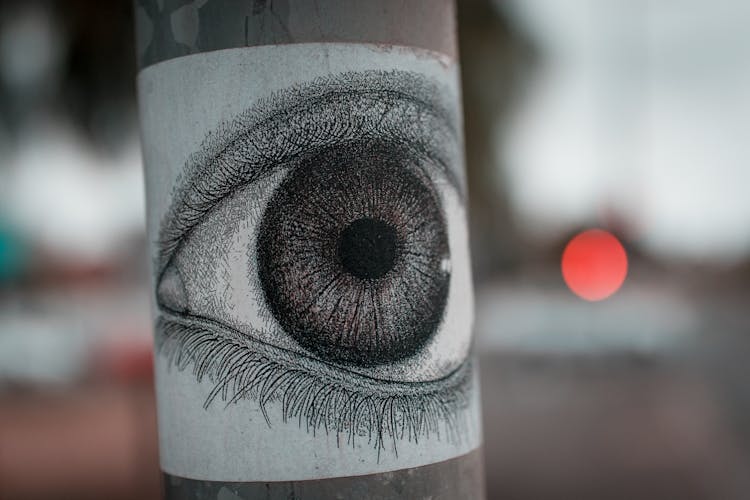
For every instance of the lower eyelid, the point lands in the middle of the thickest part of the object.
(212, 348)
(368, 409)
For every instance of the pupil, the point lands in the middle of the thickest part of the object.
(367, 248)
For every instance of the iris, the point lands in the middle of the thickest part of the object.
(351, 254)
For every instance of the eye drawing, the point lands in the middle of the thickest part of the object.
(313, 260)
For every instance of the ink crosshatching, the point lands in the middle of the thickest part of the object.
(312, 262)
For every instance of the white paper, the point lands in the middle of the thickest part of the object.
(249, 111)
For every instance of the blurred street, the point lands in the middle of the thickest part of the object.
(624, 116)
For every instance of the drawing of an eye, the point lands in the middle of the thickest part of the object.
(314, 255)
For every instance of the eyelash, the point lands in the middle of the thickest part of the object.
(239, 372)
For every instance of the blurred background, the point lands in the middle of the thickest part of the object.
(625, 115)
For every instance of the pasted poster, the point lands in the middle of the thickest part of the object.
(312, 291)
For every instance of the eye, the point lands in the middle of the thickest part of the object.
(316, 246)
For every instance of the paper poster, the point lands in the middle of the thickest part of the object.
(312, 291)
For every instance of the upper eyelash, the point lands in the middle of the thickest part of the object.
(197, 192)
(238, 372)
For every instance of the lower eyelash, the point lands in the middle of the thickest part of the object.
(381, 411)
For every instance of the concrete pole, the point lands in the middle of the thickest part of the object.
(168, 29)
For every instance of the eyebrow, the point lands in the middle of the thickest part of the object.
(267, 136)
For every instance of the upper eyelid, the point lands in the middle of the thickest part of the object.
(208, 176)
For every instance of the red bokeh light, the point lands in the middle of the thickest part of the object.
(594, 264)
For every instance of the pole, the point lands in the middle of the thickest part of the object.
(172, 31)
